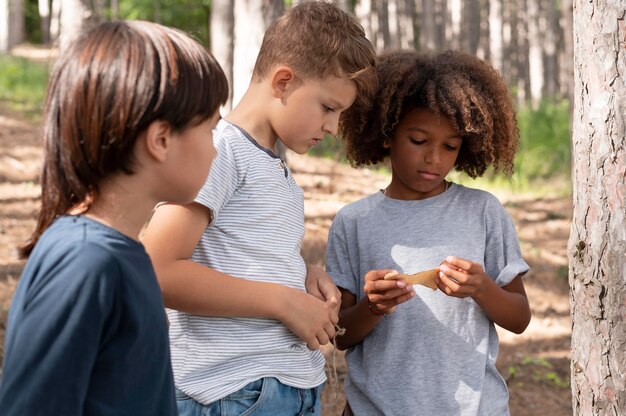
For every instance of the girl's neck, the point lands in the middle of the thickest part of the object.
(411, 195)
(119, 207)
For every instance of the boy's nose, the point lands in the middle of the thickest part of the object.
(331, 127)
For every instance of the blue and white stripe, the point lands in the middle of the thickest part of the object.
(255, 234)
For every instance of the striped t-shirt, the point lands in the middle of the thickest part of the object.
(256, 234)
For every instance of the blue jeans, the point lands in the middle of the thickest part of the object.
(263, 397)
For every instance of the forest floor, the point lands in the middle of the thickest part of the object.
(534, 364)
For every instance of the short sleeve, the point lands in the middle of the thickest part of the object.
(338, 264)
(59, 322)
(223, 178)
(503, 257)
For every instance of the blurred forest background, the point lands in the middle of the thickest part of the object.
(528, 41)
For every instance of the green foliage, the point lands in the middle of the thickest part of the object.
(191, 16)
(23, 84)
(545, 147)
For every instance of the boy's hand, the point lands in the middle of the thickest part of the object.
(319, 284)
(311, 319)
(384, 295)
(461, 278)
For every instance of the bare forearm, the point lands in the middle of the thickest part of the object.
(193, 288)
(358, 322)
(508, 309)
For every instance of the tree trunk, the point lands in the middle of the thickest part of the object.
(495, 33)
(75, 16)
(535, 52)
(55, 20)
(11, 24)
(566, 77)
(597, 244)
(523, 81)
(471, 26)
(222, 26)
(455, 12)
(406, 23)
(550, 42)
(381, 24)
(44, 20)
(428, 30)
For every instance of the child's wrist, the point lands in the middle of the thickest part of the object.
(374, 310)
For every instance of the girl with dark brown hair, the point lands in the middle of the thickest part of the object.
(127, 123)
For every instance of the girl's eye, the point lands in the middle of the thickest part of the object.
(417, 141)
(450, 147)
(328, 109)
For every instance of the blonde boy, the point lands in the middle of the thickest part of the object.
(244, 332)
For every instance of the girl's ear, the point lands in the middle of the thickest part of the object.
(283, 79)
(158, 140)
(387, 143)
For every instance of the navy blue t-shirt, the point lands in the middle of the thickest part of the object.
(87, 332)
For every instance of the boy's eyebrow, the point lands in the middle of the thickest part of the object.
(421, 130)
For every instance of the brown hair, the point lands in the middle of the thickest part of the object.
(463, 88)
(103, 92)
(317, 39)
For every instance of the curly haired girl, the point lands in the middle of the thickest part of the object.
(436, 353)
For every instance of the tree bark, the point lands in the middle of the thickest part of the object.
(222, 26)
(44, 20)
(11, 24)
(75, 16)
(252, 17)
(535, 52)
(495, 33)
(597, 244)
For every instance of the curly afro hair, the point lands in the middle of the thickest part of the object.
(465, 89)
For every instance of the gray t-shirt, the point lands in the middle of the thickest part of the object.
(436, 354)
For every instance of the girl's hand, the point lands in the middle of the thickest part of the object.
(310, 318)
(384, 295)
(461, 278)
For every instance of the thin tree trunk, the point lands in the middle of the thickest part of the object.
(453, 34)
(471, 26)
(55, 20)
(428, 30)
(551, 39)
(222, 26)
(523, 82)
(44, 20)
(566, 77)
(75, 16)
(597, 244)
(406, 23)
(382, 25)
(11, 24)
(495, 33)
(535, 52)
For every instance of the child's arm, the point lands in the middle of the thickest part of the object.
(171, 237)
(507, 306)
(382, 297)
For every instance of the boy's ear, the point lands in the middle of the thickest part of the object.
(158, 139)
(282, 79)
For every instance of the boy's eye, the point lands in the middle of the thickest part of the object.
(328, 109)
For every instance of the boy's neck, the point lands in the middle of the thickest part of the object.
(251, 114)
